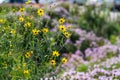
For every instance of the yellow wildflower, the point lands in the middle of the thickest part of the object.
(67, 34)
(2, 21)
(28, 24)
(26, 71)
(45, 30)
(64, 60)
(62, 28)
(35, 31)
(13, 31)
(27, 55)
(61, 20)
(53, 62)
(21, 19)
(40, 12)
(22, 10)
(55, 53)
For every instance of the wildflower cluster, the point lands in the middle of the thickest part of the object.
(57, 54)
(63, 29)
(28, 54)
(27, 47)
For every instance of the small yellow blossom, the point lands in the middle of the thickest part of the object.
(45, 30)
(64, 60)
(61, 20)
(53, 62)
(40, 12)
(28, 24)
(22, 10)
(2, 21)
(55, 53)
(21, 19)
(62, 28)
(26, 71)
(67, 34)
(35, 32)
(13, 31)
(27, 55)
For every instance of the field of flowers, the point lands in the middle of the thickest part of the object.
(61, 41)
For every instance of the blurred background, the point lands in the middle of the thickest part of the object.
(114, 4)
